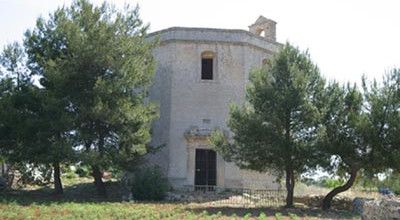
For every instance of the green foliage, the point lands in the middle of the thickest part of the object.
(360, 129)
(99, 61)
(262, 216)
(34, 128)
(83, 171)
(70, 175)
(149, 184)
(381, 123)
(278, 126)
(393, 183)
(247, 216)
(332, 183)
(95, 67)
(17, 100)
(12, 209)
(278, 216)
(344, 126)
(343, 138)
(95, 64)
(279, 111)
(368, 181)
(384, 120)
(80, 203)
(12, 64)
(310, 181)
(293, 216)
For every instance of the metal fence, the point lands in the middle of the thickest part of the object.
(243, 197)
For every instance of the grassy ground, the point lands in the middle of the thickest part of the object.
(80, 202)
(304, 190)
(109, 210)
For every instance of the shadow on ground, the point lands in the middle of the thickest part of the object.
(86, 193)
(78, 193)
(268, 211)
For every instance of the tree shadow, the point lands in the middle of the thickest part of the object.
(77, 193)
(241, 212)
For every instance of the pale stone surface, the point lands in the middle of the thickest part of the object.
(228, 197)
(264, 25)
(190, 108)
(386, 208)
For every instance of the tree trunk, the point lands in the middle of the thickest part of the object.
(289, 187)
(58, 188)
(289, 166)
(327, 201)
(3, 169)
(98, 180)
(10, 175)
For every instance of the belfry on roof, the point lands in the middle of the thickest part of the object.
(264, 26)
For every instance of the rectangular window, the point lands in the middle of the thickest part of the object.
(207, 68)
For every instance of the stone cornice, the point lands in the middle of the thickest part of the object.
(196, 134)
(211, 35)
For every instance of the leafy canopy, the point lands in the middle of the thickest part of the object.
(277, 126)
(97, 59)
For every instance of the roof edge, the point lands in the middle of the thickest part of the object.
(177, 28)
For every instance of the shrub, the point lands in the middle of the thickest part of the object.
(70, 175)
(397, 191)
(278, 216)
(332, 183)
(392, 182)
(149, 183)
(262, 216)
(82, 171)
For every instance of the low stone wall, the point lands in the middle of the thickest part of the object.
(227, 197)
(386, 208)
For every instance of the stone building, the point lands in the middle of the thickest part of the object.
(200, 71)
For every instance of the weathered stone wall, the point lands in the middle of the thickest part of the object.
(160, 93)
(385, 208)
(186, 100)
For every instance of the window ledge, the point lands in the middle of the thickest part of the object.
(208, 81)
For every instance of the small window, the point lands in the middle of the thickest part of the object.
(207, 66)
(206, 121)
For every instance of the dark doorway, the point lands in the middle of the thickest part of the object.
(206, 168)
(207, 68)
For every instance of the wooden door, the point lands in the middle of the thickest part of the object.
(206, 168)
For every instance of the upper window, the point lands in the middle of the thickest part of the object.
(207, 65)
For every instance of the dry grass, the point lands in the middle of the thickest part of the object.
(312, 190)
(109, 210)
(81, 202)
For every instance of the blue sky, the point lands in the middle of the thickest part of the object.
(345, 38)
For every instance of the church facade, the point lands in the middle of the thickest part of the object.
(200, 71)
